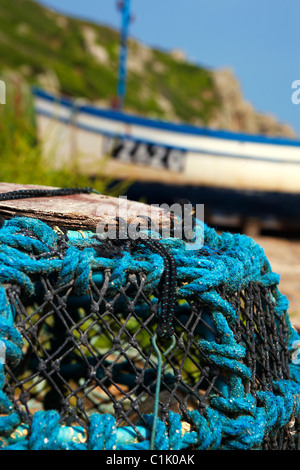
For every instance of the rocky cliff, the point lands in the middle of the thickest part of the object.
(236, 114)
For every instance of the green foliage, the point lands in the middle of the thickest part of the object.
(37, 39)
(22, 160)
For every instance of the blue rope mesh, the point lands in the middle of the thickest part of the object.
(236, 420)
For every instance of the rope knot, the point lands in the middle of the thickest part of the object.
(77, 266)
(28, 234)
(209, 429)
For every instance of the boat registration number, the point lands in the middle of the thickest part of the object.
(155, 156)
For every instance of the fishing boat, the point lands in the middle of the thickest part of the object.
(158, 151)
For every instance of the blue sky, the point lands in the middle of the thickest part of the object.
(258, 39)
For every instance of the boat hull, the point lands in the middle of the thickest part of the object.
(151, 151)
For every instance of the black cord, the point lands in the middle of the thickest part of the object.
(165, 326)
(31, 193)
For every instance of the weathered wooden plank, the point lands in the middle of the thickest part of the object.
(78, 211)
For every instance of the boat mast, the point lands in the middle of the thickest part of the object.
(124, 6)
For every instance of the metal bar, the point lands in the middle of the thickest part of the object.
(122, 75)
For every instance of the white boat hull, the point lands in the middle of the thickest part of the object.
(157, 151)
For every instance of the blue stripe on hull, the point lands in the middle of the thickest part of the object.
(162, 125)
(98, 130)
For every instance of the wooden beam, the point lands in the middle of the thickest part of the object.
(79, 211)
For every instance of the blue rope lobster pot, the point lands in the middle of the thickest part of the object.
(142, 345)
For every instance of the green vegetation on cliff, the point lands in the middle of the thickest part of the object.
(81, 59)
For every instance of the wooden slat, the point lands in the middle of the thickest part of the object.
(79, 211)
